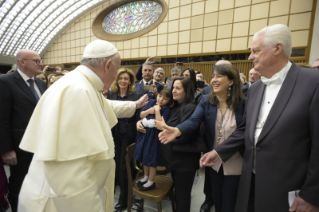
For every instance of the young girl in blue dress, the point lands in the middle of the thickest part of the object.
(147, 144)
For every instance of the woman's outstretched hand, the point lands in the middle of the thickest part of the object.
(169, 134)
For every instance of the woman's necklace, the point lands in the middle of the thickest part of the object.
(220, 126)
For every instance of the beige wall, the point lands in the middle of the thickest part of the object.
(194, 27)
(314, 53)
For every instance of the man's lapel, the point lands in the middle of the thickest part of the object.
(23, 85)
(281, 100)
(256, 101)
(41, 88)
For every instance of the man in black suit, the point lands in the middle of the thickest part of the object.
(20, 92)
(279, 131)
(147, 74)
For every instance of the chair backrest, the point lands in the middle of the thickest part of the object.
(128, 158)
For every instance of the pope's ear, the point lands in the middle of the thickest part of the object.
(108, 64)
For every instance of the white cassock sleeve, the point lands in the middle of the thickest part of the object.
(122, 109)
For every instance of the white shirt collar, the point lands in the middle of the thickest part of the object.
(279, 77)
(90, 72)
(149, 82)
(24, 76)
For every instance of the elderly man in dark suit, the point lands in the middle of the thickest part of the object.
(254, 76)
(20, 92)
(279, 131)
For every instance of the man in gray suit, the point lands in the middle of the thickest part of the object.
(279, 131)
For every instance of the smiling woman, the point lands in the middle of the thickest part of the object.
(221, 112)
(124, 132)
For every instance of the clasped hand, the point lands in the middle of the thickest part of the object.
(208, 159)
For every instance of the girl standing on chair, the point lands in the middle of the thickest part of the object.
(147, 144)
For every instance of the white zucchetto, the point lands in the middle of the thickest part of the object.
(99, 49)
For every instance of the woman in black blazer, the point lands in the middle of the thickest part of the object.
(181, 164)
(124, 132)
(222, 112)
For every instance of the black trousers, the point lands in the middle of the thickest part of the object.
(251, 201)
(207, 187)
(225, 188)
(183, 183)
(17, 174)
(121, 141)
(1, 208)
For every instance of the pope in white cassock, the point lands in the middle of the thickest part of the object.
(70, 135)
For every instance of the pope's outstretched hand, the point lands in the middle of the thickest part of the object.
(142, 101)
(209, 159)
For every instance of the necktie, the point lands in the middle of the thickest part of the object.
(146, 83)
(31, 82)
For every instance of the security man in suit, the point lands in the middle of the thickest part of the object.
(147, 73)
(20, 92)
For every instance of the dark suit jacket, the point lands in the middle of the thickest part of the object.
(139, 74)
(207, 90)
(139, 89)
(245, 88)
(17, 103)
(207, 113)
(131, 122)
(287, 151)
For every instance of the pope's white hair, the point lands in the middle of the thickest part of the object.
(97, 62)
(274, 34)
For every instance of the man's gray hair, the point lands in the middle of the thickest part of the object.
(255, 70)
(278, 33)
(148, 63)
(97, 62)
(176, 70)
(159, 69)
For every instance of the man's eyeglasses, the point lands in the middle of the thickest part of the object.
(34, 60)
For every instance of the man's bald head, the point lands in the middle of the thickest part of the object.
(222, 62)
(29, 62)
(23, 53)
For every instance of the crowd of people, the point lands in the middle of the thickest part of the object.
(258, 139)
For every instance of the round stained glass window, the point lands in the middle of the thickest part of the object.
(127, 19)
(132, 17)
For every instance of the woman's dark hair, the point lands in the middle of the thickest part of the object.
(169, 77)
(167, 91)
(192, 76)
(188, 88)
(236, 96)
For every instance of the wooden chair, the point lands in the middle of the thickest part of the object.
(164, 187)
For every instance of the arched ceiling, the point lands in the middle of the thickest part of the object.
(33, 24)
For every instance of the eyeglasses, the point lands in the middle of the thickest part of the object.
(34, 60)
